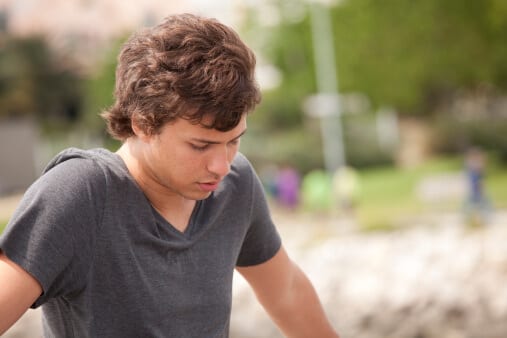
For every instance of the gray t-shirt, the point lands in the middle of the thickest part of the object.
(111, 266)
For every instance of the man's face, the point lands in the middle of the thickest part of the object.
(188, 159)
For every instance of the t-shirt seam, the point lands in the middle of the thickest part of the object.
(101, 217)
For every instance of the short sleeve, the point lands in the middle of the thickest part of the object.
(262, 240)
(52, 231)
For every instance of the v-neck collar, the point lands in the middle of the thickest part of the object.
(191, 226)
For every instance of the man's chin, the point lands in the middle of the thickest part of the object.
(197, 196)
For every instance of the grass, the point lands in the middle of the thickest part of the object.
(388, 197)
(2, 225)
(496, 183)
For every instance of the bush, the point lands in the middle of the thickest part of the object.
(452, 135)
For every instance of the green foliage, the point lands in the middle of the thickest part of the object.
(99, 88)
(34, 82)
(361, 142)
(288, 47)
(454, 135)
(412, 56)
(286, 146)
(283, 133)
(404, 53)
(496, 181)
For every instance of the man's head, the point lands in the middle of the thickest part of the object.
(186, 67)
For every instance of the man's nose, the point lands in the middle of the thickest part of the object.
(219, 164)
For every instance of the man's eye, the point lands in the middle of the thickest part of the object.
(199, 148)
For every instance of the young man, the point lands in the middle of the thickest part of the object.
(143, 242)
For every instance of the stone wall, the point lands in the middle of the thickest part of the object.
(436, 280)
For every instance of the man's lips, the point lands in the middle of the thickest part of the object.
(209, 186)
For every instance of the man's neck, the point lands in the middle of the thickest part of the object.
(175, 208)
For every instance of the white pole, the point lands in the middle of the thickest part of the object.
(327, 83)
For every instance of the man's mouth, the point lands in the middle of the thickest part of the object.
(209, 186)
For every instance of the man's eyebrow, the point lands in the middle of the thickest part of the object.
(200, 140)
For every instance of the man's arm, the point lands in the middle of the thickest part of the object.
(288, 297)
(18, 292)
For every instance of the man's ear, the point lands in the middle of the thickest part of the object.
(138, 130)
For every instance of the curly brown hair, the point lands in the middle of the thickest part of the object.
(186, 67)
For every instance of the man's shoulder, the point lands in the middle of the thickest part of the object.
(241, 163)
(241, 169)
(84, 159)
(79, 170)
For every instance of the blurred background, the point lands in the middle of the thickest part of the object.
(381, 141)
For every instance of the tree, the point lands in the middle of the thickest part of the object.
(413, 56)
(34, 82)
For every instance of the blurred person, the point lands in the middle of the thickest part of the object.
(287, 187)
(316, 190)
(143, 242)
(267, 176)
(477, 206)
(345, 183)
